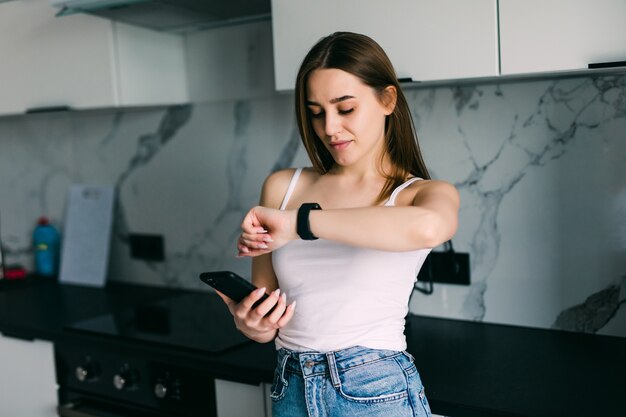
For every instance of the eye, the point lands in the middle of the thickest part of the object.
(317, 115)
(347, 111)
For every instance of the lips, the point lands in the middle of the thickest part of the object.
(340, 144)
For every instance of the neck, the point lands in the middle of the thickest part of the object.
(373, 168)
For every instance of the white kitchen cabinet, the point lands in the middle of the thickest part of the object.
(27, 379)
(560, 35)
(235, 399)
(84, 62)
(230, 63)
(426, 40)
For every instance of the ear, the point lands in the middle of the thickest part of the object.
(389, 97)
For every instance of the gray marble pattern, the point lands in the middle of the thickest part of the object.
(540, 165)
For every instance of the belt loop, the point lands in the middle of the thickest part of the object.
(332, 368)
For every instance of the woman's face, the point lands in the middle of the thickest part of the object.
(347, 115)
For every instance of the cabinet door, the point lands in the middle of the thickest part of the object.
(84, 62)
(560, 35)
(150, 66)
(240, 400)
(426, 40)
(230, 63)
(48, 61)
(27, 381)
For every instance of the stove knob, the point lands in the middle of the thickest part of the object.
(160, 390)
(125, 379)
(87, 372)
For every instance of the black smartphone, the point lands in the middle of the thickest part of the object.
(231, 284)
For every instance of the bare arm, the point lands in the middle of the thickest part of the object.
(429, 221)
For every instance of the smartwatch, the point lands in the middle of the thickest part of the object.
(303, 227)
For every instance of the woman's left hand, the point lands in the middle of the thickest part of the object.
(266, 229)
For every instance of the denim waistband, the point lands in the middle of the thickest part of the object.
(318, 363)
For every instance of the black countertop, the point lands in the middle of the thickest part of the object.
(468, 368)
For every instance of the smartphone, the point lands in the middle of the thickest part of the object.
(231, 284)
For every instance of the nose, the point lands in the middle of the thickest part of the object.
(332, 124)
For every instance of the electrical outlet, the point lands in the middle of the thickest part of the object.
(446, 268)
(147, 247)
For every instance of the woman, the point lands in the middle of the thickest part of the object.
(368, 199)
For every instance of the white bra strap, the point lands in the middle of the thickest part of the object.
(292, 185)
(394, 194)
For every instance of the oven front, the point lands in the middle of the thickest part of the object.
(102, 380)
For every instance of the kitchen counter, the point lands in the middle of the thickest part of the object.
(468, 368)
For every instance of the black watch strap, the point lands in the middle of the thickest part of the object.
(303, 227)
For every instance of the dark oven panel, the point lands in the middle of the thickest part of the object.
(98, 377)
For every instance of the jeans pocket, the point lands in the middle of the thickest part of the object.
(375, 382)
(280, 383)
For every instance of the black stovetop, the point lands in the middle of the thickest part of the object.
(190, 321)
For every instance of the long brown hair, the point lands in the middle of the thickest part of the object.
(362, 57)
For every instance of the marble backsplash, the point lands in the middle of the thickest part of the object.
(540, 165)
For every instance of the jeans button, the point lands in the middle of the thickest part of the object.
(309, 363)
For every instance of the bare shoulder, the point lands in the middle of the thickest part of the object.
(433, 184)
(275, 187)
(437, 189)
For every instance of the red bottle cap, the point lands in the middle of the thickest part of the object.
(43, 220)
(16, 272)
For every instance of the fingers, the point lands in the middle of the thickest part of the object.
(253, 220)
(269, 315)
(253, 236)
(267, 305)
(259, 237)
(254, 244)
(273, 310)
(281, 313)
(289, 312)
(252, 298)
(252, 229)
(244, 251)
(275, 314)
(250, 222)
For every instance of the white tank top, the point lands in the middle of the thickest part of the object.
(346, 296)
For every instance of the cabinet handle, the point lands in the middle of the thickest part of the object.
(48, 109)
(614, 64)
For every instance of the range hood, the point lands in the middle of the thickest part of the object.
(171, 15)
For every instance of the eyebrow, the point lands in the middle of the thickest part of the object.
(333, 101)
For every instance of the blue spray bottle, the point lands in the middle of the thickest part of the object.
(46, 242)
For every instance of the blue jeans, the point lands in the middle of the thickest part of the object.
(352, 382)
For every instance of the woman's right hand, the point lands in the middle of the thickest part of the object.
(256, 323)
